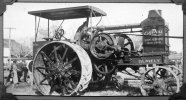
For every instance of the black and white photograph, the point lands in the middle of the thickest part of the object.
(93, 49)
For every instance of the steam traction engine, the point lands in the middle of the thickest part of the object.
(66, 67)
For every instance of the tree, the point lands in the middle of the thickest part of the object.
(19, 50)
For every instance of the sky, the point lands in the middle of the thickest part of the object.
(16, 16)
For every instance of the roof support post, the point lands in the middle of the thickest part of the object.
(35, 28)
(91, 18)
(48, 28)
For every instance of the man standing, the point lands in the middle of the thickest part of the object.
(15, 76)
(19, 70)
(25, 71)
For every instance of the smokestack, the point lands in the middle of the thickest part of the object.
(154, 13)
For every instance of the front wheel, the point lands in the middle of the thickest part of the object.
(159, 80)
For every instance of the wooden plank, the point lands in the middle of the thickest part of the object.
(89, 1)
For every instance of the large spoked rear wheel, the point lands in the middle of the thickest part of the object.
(159, 80)
(61, 68)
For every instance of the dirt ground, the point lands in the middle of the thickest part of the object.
(22, 88)
(129, 88)
(27, 89)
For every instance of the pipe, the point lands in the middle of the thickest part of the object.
(116, 27)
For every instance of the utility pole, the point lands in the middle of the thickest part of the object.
(9, 42)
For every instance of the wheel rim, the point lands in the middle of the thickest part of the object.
(58, 69)
(159, 81)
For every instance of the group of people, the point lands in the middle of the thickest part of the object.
(17, 71)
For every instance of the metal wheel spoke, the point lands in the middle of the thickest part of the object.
(99, 66)
(47, 77)
(38, 69)
(71, 84)
(126, 43)
(74, 72)
(178, 74)
(44, 55)
(55, 54)
(55, 49)
(41, 82)
(158, 74)
(66, 86)
(60, 59)
(148, 77)
(106, 69)
(45, 68)
(67, 74)
(64, 54)
(71, 61)
(154, 74)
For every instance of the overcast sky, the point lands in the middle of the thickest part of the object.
(17, 17)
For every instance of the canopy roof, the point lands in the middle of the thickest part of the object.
(69, 13)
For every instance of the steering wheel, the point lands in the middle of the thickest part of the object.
(58, 34)
(84, 37)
